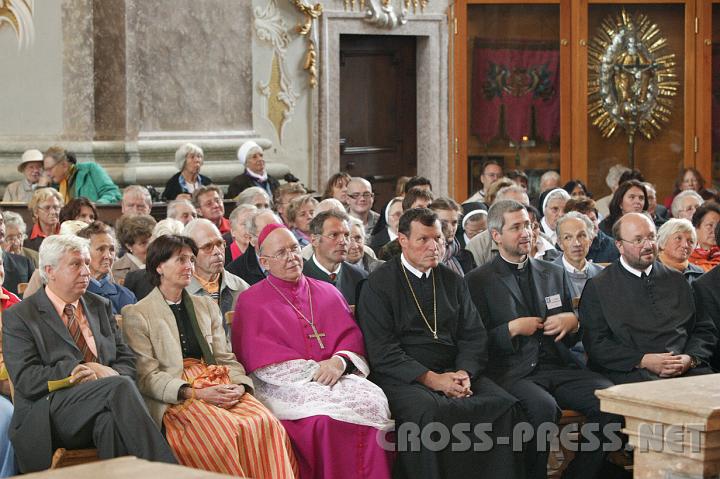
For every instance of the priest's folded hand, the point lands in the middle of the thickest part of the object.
(329, 371)
(664, 365)
(525, 326)
(446, 383)
(560, 324)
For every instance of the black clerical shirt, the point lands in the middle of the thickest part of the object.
(548, 354)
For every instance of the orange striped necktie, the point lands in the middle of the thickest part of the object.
(73, 326)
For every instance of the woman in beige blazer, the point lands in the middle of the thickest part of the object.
(191, 381)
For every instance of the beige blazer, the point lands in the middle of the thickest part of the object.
(151, 331)
(16, 192)
(122, 267)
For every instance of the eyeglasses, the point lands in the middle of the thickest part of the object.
(209, 247)
(338, 237)
(652, 239)
(50, 208)
(365, 196)
(285, 254)
(213, 202)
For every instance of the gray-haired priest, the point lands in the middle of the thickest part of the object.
(428, 348)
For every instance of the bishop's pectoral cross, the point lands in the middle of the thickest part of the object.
(317, 336)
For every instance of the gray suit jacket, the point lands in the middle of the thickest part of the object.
(38, 348)
(230, 287)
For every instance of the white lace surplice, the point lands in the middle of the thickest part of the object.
(288, 390)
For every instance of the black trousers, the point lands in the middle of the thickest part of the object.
(640, 375)
(108, 414)
(543, 394)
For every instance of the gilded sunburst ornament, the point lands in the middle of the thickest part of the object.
(632, 80)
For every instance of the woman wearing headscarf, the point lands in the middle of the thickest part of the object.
(189, 160)
(251, 156)
(393, 212)
(553, 207)
(79, 179)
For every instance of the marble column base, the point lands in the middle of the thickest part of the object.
(145, 162)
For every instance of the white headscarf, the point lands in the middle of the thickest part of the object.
(245, 149)
(564, 195)
(242, 154)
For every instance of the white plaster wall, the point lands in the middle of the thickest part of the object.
(31, 95)
(293, 145)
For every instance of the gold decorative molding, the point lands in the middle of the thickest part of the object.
(311, 13)
(19, 15)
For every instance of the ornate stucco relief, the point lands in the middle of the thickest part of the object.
(278, 92)
(19, 15)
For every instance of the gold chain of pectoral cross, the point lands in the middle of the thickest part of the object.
(315, 335)
(417, 303)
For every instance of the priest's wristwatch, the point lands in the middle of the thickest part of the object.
(693, 362)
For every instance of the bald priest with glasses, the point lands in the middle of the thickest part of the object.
(305, 353)
(639, 316)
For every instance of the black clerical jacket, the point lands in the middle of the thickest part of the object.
(707, 303)
(497, 296)
(399, 345)
(625, 317)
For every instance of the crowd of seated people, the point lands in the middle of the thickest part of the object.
(271, 342)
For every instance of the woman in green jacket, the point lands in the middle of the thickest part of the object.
(75, 179)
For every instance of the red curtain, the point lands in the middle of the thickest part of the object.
(512, 81)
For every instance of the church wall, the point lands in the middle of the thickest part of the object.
(31, 96)
(126, 82)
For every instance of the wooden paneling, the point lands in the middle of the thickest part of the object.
(378, 110)
(583, 153)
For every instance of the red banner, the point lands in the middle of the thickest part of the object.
(515, 86)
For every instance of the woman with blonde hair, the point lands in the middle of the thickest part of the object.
(45, 206)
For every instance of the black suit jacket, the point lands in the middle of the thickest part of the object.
(707, 304)
(498, 299)
(38, 348)
(347, 281)
(247, 267)
(243, 182)
(18, 269)
(139, 282)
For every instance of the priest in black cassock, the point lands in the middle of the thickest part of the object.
(427, 349)
(639, 315)
(527, 308)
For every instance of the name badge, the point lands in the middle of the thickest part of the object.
(553, 301)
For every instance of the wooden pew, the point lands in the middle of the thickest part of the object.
(106, 213)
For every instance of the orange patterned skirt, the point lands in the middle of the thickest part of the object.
(245, 440)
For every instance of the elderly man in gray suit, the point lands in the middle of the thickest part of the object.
(73, 374)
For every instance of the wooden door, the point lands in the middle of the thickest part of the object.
(378, 122)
